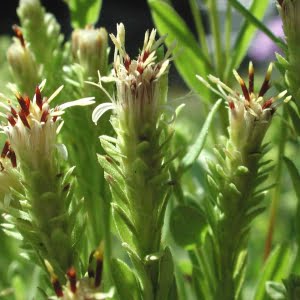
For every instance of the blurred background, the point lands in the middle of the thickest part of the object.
(136, 16)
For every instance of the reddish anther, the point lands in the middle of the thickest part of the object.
(5, 149)
(13, 111)
(127, 62)
(265, 86)
(11, 120)
(145, 55)
(251, 81)
(38, 98)
(57, 287)
(72, 279)
(140, 68)
(24, 104)
(24, 119)
(19, 34)
(245, 90)
(12, 156)
(44, 116)
(231, 105)
(98, 273)
(267, 104)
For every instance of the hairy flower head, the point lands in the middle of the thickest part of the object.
(141, 84)
(250, 111)
(32, 126)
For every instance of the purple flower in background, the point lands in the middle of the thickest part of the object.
(263, 48)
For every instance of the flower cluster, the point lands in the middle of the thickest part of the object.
(32, 127)
(250, 111)
(140, 83)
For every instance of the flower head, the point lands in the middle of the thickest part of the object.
(141, 84)
(32, 126)
(89, 48)
(250, 111)
(22, 62)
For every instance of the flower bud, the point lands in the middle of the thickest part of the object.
(89, 48)
(22, 64)
(250, 112)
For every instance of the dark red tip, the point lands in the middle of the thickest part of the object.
(231, 105)
(127, 62)
(12, 156)
(38, 98)
(72, 279)
(140, 68)
(267, 104)
(145, 55)
(44, 116)
(19, 34)
(24, 119)
(57, 287)
(264, 88)
(24, 103)
(11, 120)
(5, 149)
(13, 111)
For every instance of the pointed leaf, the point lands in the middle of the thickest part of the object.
(125, 280)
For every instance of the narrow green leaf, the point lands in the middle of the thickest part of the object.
(295, 176)
(189, 59)
(84, 12)
(197, 147)
(276, 268)
(245, 35)
(125, 280)
(166, 275)
(186, 225)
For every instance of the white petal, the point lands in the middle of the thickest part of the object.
(55, 93)
(42, 84)
(101, 109)
(79, 102)
(62, 150)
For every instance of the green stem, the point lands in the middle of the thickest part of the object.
(277, 189)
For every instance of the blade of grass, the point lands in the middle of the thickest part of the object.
(215, 30)
(245, 35)
(189, 59)
(195, 10)
(228, 29)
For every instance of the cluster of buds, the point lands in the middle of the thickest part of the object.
(250, 112)
(89, 48)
